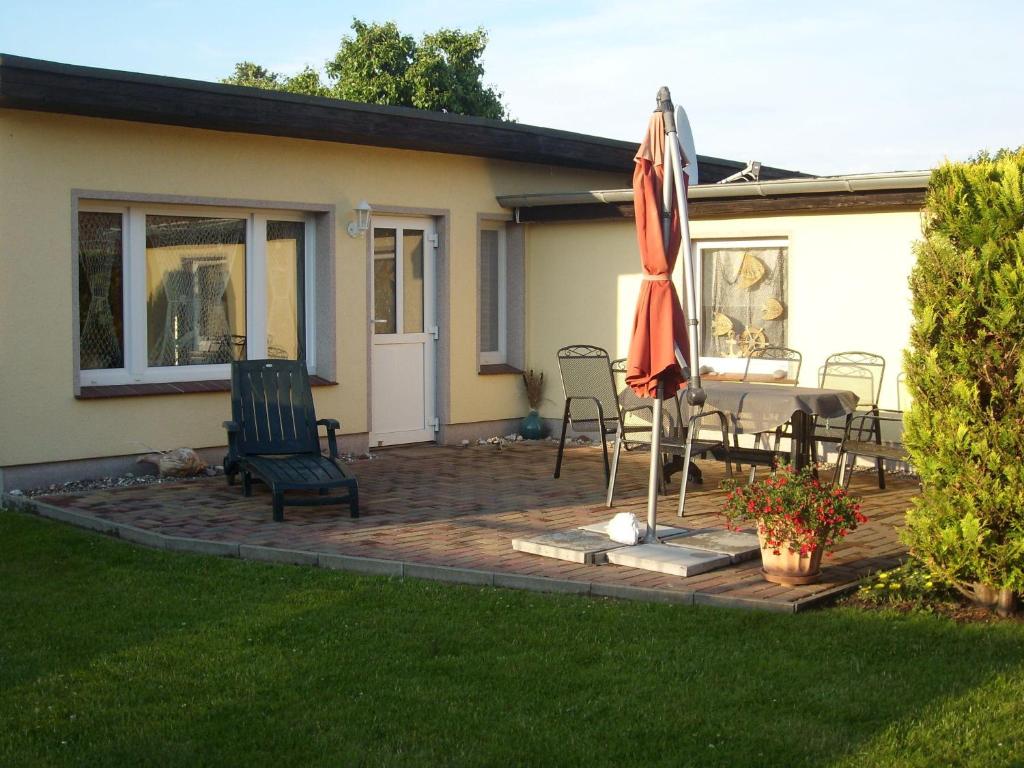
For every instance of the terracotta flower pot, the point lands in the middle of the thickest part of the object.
(787, 568)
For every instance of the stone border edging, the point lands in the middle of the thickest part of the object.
(370, 566)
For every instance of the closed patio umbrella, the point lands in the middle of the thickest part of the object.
(658, 324)
(660, 342)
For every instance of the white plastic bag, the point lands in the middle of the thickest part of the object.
(624, 528)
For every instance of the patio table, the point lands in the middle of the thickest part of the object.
(753, 407)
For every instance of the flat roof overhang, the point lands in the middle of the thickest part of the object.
(859, 192)
(33, 84)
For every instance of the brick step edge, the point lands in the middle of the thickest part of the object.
(408, 570)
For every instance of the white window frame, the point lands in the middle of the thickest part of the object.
(136, 368)
(735, 364)
(500, 356)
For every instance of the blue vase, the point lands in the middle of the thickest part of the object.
(533, 426)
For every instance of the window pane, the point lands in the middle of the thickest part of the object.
(384, 281)
(286, 249)
(744, 300)
(412, 280)
(195, 280)
(490, 283)
(100, 291)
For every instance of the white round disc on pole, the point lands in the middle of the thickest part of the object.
(686, 141)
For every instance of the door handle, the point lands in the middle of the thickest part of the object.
(379, 321)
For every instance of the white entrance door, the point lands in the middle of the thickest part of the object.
(403, 331)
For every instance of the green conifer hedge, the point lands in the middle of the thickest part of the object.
(965, 430)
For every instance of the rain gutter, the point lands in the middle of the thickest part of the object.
(871, 182)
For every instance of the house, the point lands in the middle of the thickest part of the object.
(834, 254)
(152, 229)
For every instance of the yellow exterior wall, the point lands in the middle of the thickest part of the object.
(43, 157)
(847, 286)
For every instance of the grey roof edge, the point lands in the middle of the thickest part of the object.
(40, 85)
(865, 182)
(205, 86)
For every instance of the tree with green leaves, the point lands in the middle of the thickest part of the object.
(965, 371)
(380, 65)
(255, 76)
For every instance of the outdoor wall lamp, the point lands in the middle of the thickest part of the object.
(362, 221)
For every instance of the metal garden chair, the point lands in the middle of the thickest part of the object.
(273, 437)
(674, 443)
(591, 402)
(792, 358)
(790, 377)
(636, 420)
(877, 435)
(862, 374)
(637, 412)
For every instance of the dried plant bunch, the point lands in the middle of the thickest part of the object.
(533, 382)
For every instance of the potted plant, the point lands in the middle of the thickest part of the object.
(532, 426)
(797, 518)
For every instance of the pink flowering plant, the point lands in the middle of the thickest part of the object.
(793, 508)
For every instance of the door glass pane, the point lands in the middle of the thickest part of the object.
(384, 281)
(412, 280)
(195, 281)
(286, 248)
(100, 291)
(489, 285)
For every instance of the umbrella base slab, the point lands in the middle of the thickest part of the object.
(663, 531)
(574, 546)
(670, 559)
(738, 545)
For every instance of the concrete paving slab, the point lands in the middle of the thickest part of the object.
(448, 574)
(738, 545)
(541, 583)
(646, 594)
(66, 515)
(576, 546)
(142, 536)
(277, 555)
(663, 531)
(368, 565)
(201, 546)
(662, 558)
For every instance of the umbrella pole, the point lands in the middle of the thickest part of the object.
(654, 482)
(674, 183)
(694, 394)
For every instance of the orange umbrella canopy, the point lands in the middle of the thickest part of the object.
(659, 326)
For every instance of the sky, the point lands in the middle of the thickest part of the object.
(825, 87)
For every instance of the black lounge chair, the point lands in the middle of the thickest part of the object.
(273, 437)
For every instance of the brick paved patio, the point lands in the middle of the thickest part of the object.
(460, 508)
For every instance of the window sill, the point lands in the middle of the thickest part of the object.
(496, 369)
(766, 378)
(175, 388)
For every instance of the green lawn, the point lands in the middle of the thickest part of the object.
(111, 654)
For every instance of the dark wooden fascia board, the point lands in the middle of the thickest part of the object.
(576, 212)
(829, 202)
(45, 86)
(835, 202)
